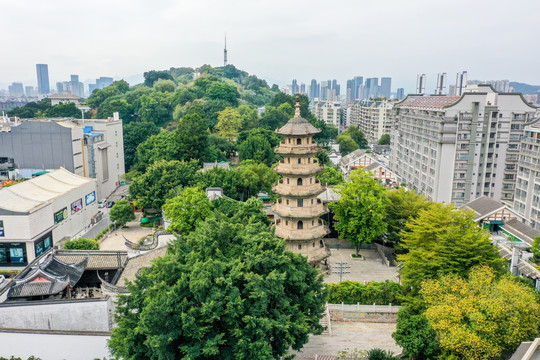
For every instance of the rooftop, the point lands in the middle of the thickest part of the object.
(427, 102)
(351, 157)
(298, 125)
(523, 231)
(31, 194)
(483, 206)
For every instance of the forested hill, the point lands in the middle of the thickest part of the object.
(525, 88)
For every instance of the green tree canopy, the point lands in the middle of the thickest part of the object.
(480, 317)
(402, 206)
(253, 177)
(249, 116)
(258, 144)
(229, 124)
(150, 77)
(82, 244)
(31, 109)
(330, 176)
(415, 336)
(192, 137)
(226, 291)
(273, 118)
(224, 92)
(98, 96)
(63, 110)
(357, 135)
(443, 240)
(156, 107)
(384, 140)
(186, 210)
(535, 248)
(122, 212)
(162, 146)
(164, 85)
(346, 144)
(361, 210)
(135, 134)
(161, 181)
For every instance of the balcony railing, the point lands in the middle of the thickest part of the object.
(307, 212)
(315, 232)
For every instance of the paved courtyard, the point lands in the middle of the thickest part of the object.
(352, 335)
(115, 240)
(369, 269)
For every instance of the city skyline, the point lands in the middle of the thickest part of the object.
(133, 49)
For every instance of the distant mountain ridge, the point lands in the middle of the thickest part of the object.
(525, 88)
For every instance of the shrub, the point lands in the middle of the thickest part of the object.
(352, 292)
(82, 244)
(379, 354)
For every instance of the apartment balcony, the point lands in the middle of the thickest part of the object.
(533, 153)
(290, 149)
(284, 189)
(298, 169)
(307, 212)
(316, 232)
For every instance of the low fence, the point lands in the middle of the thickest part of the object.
(388, 260)
(363, 313)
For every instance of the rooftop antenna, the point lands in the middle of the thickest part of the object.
(225, 52)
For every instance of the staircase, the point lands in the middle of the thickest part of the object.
(326, 323)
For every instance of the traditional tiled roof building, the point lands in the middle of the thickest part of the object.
(299, 208)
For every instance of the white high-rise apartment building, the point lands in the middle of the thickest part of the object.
(461, 83)
(527, 196)
(421, 84)
(374, 118)
(327, 110)
(441, 84)
(455, 149)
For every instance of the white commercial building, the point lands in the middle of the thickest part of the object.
(455, 149)
(37, 213)
(327, 111)
(527, 196)
(374, 118)
(90, 148)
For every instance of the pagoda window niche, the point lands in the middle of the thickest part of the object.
(298, 141)
(299, 182)
(300, 202)
(300, 225)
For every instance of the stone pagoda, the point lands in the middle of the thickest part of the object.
(298, 207)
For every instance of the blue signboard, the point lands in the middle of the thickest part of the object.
(90, 198)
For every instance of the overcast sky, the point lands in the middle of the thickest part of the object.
(277, 40)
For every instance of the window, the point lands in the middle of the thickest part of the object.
(298, 141)
(13, 254)
(299, 160)
(289, 160)
(299, 247)
(299, 182)
(300, 225)
(287, 180)
(300, 202)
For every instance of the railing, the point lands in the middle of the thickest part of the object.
(110, 288)
(145, 246)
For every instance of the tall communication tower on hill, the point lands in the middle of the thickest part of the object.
(225, 52)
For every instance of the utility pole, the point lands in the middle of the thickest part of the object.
(341, 267)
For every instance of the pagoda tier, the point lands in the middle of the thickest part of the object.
(298, 208)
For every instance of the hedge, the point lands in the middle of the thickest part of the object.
(373, 292)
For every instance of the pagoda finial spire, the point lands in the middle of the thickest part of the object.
(297, 106)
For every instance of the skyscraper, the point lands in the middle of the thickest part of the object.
(441, 84)
(294, 87)
(461, 82)
(16, 89)
(400, 93)
(421, 84)
(313, 89)
(43, 78)
(372, 88)
(336, 87)
(386, 87)
(302, 88)
(358, 81)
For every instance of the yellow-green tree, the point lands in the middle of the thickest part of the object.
(442, 240)
(229, 123)
(480, 317)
